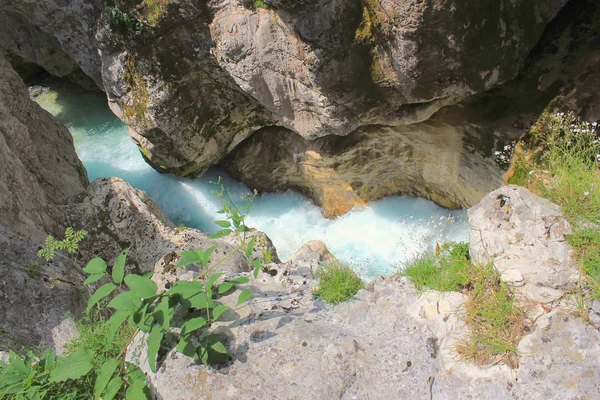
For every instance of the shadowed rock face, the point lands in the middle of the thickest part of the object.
(430, 159)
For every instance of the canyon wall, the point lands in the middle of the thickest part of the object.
(358, 82)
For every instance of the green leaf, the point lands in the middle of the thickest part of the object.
(48, 360)
(113, 388)
(186, 347)
(114, 323)
(119, 267)
(153, 342)
(223, 223)
(187, 258)
(204, 256)
(241, 279)
(95, 266)
(99, 294)
(243, 228)
(164, 313)
(220, 234)
(192, 325)
(255, 272)
(143, 319)
(245, 295)
(73, 366)
(219, 348)
(197, 300)
(250, 247)
(126, 301)
(106, 372)
(93, 278)
(256, 263)
(143, 287)
(224, 287)
(218, 311)
(136, 392)
(186, 288)
(213, 278)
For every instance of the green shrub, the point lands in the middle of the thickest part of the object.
(337, 283)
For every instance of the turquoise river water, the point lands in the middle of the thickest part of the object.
(375, 240)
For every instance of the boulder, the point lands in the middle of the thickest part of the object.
(523, 235)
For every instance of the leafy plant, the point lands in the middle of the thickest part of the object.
(95, 366)
(267, 256)
(70, 243)
(260, 4)
(337, 283)
(127, 21)
(146, 310)
(36, 375)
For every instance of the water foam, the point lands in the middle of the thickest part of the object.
(375, 240)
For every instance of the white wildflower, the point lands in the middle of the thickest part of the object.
(586, 193)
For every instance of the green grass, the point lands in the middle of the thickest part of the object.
(448, 271)
(495, 321)
(337, 283)
(561, 163)
(586, 243)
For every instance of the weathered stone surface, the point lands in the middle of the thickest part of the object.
(524, 236)
(560, 342)
(379, 346)
(39, 175)
(33, 180)
(55, 34)
(331, 66)
(200, 78)
(36, 295)
(447, 161)
(119, 216)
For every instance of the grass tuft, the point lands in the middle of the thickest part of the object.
(495, 321)
(561, 163)
(337, 283)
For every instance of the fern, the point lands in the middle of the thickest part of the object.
(70, 243)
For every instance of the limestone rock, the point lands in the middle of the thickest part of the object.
(560, 342)
(524, 236)
(428, 159)
(286, 345)
(36, 296)
(330, 66)
(39, 175)
(33, 180)
(201, 78)
(119, 216)
(55, 34)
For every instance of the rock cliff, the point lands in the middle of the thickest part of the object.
(354, 82)
(44, 189)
